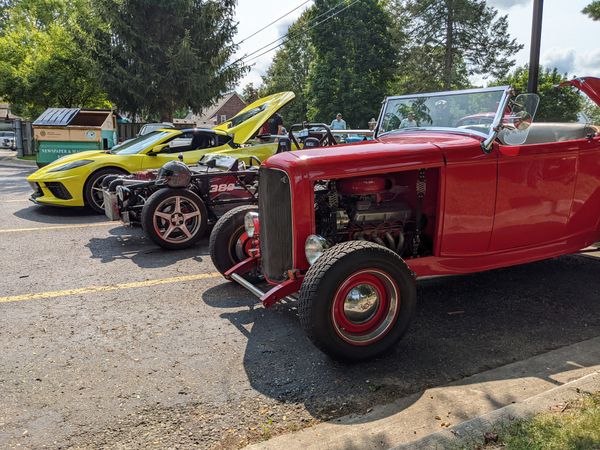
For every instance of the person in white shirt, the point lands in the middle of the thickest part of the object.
(409, 121)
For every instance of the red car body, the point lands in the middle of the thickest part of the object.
(509, 206)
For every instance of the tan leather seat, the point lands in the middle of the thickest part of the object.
(544, 132)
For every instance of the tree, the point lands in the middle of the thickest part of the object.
(593, 10)
(42, 60)
(289, 70)
(557, 104)
(158, 57)
(355, 60)
(461, 37)
(250, 93)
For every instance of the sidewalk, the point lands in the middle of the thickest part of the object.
(9, 158)
(430, 419)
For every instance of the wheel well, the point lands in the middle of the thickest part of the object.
(87, 180)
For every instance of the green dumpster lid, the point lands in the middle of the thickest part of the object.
(57, 117)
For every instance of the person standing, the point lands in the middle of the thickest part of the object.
(275, 125)
(338, 123)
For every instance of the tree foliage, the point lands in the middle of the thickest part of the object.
(43, 59)
(355, 59)
(593, 10)
(458, 38)
(250, 93)
(157, 57)
(289, 70)
(557, 104)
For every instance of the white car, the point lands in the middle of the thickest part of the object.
(7, 140)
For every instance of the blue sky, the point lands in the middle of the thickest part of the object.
(569, 40)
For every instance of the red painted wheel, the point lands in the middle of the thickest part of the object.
(365, 307)
(357, 300)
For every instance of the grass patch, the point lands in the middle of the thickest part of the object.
(28, 157)
(574, 426)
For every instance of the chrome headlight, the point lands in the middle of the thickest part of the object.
(71, 165)
(314, 247)
(251, 223)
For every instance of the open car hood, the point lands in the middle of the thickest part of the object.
(248, 121)
(589, 85)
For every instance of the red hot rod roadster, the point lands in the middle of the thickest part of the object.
(351, 228)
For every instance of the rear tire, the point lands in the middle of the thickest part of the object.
(228, 239)
(174, 218)
(357, 300)
(92, 189)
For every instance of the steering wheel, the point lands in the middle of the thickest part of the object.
(252, 159)
(326, 140)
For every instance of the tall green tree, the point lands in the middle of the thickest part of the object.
(250, 93)
(557, 104)
(355, 60)
(158, 57)
(462, 37)
(43, 59)
(289, 70)
(593, 10)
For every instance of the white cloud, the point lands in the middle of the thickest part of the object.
(564, 59)
(506, 4)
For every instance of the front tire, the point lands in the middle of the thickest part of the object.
(228, 240)
(174, 218)
(92, 190)
(357, 300)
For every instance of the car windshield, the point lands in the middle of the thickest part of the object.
(247, 115)
(472, 109)
(141, 143)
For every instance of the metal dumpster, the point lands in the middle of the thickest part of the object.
(62, 131)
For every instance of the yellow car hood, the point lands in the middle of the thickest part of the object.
(248, 121)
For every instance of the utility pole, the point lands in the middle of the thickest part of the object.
(536, 40)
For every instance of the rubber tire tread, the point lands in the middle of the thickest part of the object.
(148, 214)
(90, 180)
(308, 298)
(221, 233)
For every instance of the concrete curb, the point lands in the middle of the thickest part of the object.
(471, 432)
(467, 407)
(7, 161)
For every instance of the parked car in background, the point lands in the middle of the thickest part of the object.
(76, 180)
(7, 140)
(351, 228)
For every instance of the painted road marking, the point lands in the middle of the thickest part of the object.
(110, 287)
(60, 227)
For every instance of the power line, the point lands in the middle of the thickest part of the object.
(285, 35)
(275, 21)
(304, 31)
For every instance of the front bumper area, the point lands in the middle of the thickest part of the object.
(55, 193)
(275, 294)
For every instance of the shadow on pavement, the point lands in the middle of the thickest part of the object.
(57, 215)
(464, 325)
(131, 243)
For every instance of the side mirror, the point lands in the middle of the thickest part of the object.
(151, 153)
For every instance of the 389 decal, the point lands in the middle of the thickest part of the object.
(225, 187)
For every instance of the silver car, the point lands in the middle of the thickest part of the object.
(7, 139)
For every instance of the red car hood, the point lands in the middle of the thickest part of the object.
(394, 151)
(589, 85)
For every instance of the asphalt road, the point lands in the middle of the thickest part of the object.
(108, 341)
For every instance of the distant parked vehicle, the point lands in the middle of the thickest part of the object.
(7, 140)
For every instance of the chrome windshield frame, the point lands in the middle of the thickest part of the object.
(494, 127)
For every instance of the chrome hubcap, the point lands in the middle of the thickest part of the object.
(177, 219)
(361, 303)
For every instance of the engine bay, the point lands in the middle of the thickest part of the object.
(396, 210)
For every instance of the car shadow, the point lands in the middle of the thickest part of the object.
(464, 325)
(131, 243)
(57, 215)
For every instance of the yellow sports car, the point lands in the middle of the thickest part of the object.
(76, 180)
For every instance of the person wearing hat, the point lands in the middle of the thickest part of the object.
(338, 123)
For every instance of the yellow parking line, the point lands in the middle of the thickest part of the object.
(60, 227)
(110, 287)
